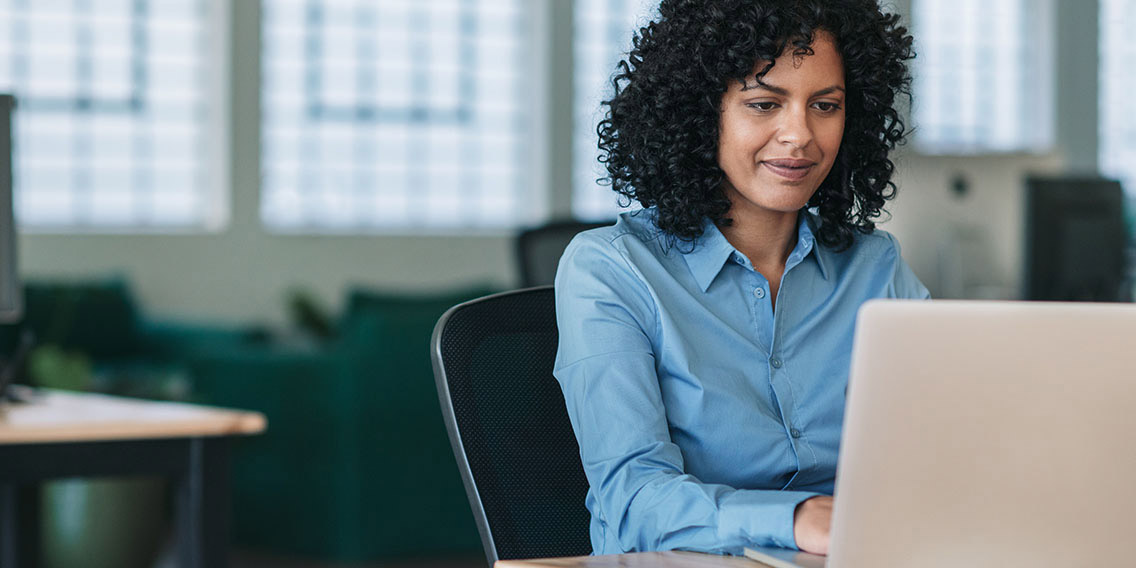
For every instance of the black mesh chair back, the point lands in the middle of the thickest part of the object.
(508, 425)
(539, 249)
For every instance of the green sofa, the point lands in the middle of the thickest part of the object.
(355, 464)
(97, 321)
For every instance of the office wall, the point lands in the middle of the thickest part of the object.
(244, 275)
(969, 245)
(964, 244)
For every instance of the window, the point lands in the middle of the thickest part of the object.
(1117, 83)
(393, 114)
(115, 114)
(601, 38)
(982, 79)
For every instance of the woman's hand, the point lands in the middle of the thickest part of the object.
(811, 522)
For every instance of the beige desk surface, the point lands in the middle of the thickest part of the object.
(637, 560)
(61, 416)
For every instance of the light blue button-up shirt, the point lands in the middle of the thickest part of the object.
(703, 416)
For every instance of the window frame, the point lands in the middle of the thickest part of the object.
(235, 197)
(531, 207)
(1049, 143)
(217, 160)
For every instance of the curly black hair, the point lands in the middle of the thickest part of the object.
(659, 137)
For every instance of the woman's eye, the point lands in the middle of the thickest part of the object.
(827, 107)
(763, 106)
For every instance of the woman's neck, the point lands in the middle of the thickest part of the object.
(766, 239)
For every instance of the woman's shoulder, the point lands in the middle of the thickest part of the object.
(631, 230)
(880, 254)
(874, 251)
(876, 244)
(625, 250)
(873, 255)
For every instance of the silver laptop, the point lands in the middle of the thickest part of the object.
(986, 434)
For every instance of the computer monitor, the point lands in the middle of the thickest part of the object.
(1075, 240)
(11, 294)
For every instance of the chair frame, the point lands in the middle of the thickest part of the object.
(452, 428)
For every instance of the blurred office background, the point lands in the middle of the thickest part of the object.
(221, 153)
(279, 179)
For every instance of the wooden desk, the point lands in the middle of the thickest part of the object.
(637, 560)
(62, 434)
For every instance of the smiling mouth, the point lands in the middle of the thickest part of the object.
(790, 169)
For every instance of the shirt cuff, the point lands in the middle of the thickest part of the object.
(764, 518)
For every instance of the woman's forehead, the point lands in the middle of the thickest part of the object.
(823, 65)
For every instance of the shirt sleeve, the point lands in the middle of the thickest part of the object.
(904, 283)
(606, 367)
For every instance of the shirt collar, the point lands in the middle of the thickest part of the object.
(806, 243)
(711, 251)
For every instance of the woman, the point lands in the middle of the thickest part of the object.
(705, 340)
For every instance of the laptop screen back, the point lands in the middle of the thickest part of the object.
(988, 434)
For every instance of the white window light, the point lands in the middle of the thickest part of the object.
(601, 37)
(1117, 83)
(982, 76)
(120, 113)
(394, 115)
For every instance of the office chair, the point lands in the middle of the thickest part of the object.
(539, 249)
(509, 427)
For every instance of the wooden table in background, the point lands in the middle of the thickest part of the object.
(62, 434)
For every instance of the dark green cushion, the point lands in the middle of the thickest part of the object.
(403, 439)
(291, 488)
(97, 317)
(356, 464)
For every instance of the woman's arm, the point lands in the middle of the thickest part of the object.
(904, 283)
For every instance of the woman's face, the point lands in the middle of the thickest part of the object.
(779, 139)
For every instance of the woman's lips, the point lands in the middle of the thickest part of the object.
(789, 169)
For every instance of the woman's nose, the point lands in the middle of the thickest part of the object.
(795, 129)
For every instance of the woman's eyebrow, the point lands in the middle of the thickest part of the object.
(829, 91)
(783, 92)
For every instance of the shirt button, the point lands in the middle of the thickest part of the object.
(759, 292)
(794, 432)
(775, 362)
